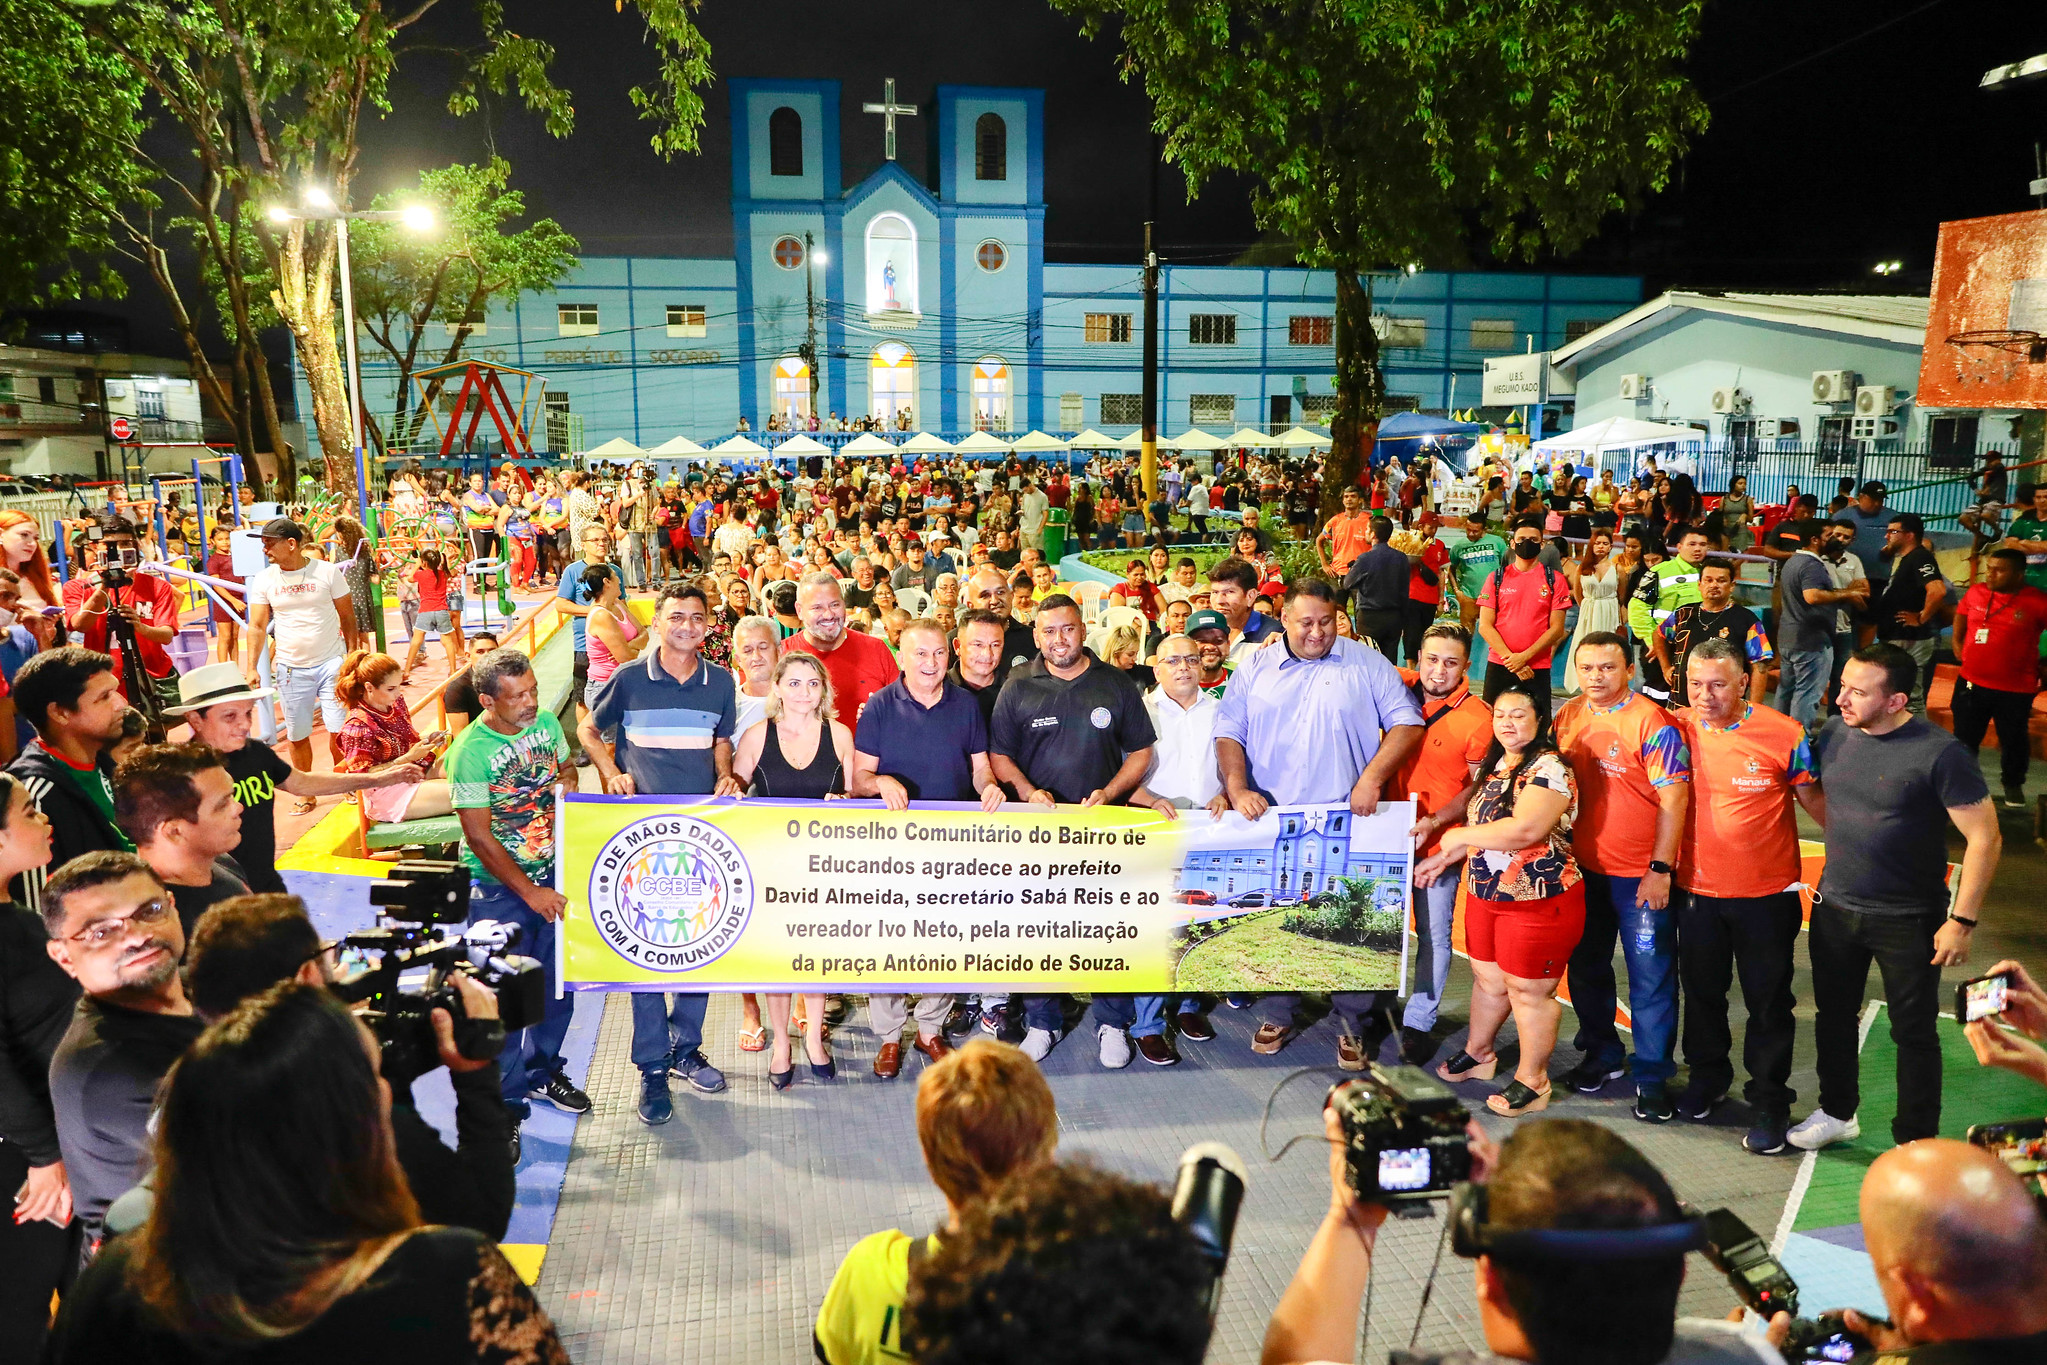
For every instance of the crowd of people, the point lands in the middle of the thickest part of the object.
(1581, 724)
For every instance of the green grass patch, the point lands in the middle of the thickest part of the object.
(1259, 955)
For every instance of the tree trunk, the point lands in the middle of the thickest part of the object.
(1360, 390)
(272, 427)
(305, 300)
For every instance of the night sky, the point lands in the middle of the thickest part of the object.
(1806, 177)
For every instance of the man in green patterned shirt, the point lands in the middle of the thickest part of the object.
(503, 771)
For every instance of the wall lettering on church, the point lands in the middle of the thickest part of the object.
(586, 356)
(672, 357)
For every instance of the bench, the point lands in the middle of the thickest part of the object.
(554, 667)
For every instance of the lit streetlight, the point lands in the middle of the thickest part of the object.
(317, 205)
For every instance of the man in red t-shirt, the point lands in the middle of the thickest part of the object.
(859, 664)
(149, 604)
(1427, 559)
(1521, 610)
(1997, 639)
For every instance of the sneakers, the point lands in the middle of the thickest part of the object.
(1350, 1052)
(1115, 1046)
(656, 1108)
(1240, 1002)
(1154, 1048)
(2015, 798)
(1002, 1026)
(1037, 1043)
(1652, 1103)
(1767, 1138)
(558, 1092)
(1695, 1104)
(696, 1068)
(1587, 1078)
(1417, 1046)
(1270, 1038)
(1822, 1129)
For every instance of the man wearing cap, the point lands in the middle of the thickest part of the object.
(1872, 523)
(220, 706)
(1209, 629)
(308, 601)
(915, 571)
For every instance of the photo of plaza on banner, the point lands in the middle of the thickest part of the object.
(716, 894)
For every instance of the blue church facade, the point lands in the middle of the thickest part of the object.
(933, 296)
(1310, 852)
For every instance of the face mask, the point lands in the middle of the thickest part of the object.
(1527, 549)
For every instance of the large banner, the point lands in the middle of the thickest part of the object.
(696, 894)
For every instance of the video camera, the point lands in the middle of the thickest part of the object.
(1404, 1135)
(415, 959)
(1762, 1283)
(116, 565)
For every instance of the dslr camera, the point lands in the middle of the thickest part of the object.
(1404, 1135)
(402, 968)
(1761, 1282)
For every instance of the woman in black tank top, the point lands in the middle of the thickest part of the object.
(799, 752)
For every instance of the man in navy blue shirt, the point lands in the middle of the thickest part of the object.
(920, 739)
(673, 713)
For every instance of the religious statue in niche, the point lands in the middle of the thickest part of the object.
(888, 286)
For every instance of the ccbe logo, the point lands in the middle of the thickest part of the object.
(671, 893)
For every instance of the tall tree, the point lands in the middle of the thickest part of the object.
(407, 283)
(264, 100)
(1379, 136)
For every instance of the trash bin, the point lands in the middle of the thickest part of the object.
(1056, 521)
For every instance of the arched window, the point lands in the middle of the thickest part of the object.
(892, 385)
(991, 148)
(891, 265)
(785, 142)
(792, 389)
(991, 394)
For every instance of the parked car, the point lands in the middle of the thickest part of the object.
(1251, 898)
(1287, 898)
(1195, 897)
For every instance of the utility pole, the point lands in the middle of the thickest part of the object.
(810, 318)
(1148, 461)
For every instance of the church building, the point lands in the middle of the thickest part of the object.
(932, 302)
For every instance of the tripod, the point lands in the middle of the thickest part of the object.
(136, 684)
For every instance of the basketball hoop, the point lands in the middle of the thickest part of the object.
(2031, 345)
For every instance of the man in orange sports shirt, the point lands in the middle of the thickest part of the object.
(1737, 909)
(1457, 728)
(1347, 535)
(1634, 780)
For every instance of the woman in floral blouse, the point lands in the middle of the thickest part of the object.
(1525, 900)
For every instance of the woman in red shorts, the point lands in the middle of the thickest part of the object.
(1524, 906)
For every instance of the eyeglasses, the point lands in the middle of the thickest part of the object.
(100, 933)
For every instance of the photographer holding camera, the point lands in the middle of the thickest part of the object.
(282, 1228)
(115, 589)
(250, 943)
(1587, 1300)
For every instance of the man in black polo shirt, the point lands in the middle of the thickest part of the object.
(920, 739)
(458, 695)
(1907, 609)
(1715, 616)
(1070, 730)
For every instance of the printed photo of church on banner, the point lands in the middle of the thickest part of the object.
(1303, 899)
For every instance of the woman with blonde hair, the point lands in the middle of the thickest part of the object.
(21, 549)
(379, 732)
(799, 751)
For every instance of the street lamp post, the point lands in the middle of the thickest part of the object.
(316, 205)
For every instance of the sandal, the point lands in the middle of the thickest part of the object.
(753, 1039)
(1517, 1099)
(304, 805)
(1465, 1067)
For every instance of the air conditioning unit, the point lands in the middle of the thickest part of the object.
(1730, 400)
(1874, 400)
(1833, 386)
(1635, 386)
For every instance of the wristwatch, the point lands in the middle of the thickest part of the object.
(1965, 923)
(1656, 865)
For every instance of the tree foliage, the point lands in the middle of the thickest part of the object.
(1381, 134)
(261, 99)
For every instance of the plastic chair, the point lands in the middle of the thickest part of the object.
(1091, 595)
(1116, 616)
(915, 601)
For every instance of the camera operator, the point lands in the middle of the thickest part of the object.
(1063, 1263)
(114, 586)
(250, 943)
(1960, 1251)
(281, 1227)
(114, 928)
(71, 697)
(177, 802)
(1552, 1174)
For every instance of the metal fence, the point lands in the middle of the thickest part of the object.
(1935, 484)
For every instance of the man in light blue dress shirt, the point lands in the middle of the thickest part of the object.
(1315, 719)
